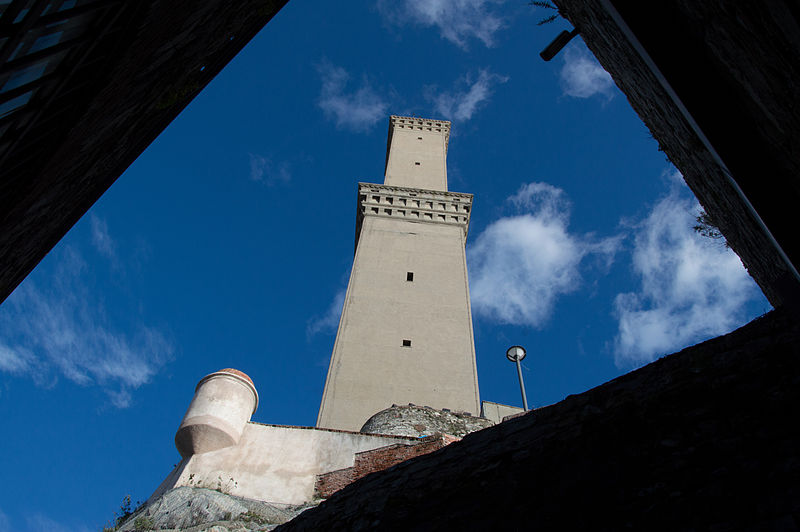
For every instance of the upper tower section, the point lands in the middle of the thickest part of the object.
(416, 153)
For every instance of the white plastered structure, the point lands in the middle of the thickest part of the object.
(223, 450)
(222, 404)
(274, 463)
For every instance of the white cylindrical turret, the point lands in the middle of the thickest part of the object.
(222, 405)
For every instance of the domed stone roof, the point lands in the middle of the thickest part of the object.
(238, 373)
(421, 421)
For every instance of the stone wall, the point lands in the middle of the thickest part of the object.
(274, 463)
(421, 421)
(705, 439)
(329, 483)
(496, 412)
(377, 460)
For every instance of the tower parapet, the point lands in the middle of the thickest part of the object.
(413, 205)
(419, 124)
(221, 407)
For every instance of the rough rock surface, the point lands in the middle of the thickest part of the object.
(421, 421)
(203, 510)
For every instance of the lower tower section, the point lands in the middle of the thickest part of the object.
(405, 335)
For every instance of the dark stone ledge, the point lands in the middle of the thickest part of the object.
(704, 439)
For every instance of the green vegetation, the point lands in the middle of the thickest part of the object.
(252, 517)
(707, 227)
(143, 523)
(545, 5)
(125, 511)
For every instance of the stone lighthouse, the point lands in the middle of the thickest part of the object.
(405, 335)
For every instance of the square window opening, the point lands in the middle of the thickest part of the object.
(406, 343)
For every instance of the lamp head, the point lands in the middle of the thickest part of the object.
(515, 352)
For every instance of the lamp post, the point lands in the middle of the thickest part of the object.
(516, 353)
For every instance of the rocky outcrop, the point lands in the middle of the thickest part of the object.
(421, 421)
(204, 510)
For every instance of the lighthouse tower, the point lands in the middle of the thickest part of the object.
(405, 335)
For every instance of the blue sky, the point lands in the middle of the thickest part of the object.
(228, 243)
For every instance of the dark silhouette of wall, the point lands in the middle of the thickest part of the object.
(716, 83)
(704, 439)
(136, 65)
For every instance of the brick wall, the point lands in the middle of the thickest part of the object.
(377, 460)
(329, 483)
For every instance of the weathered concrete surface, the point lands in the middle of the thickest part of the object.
(735, 69)
(221, 407)
(167, 52)
(705, 439)
(405, 335)
(198, 509)
(496, 412)
(421, 421)
(416, 153)
(274, 463)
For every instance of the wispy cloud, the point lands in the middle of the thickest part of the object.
(582, 76)
(519, 265)
(461, 103)
(357, 110)
(101, 239)
(5, 525)
(41, 523)
(64, 330)
(329, 321)
(458, 21)
(17, 361)
(265, 170)
(692, 287)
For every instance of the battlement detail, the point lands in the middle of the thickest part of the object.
(420, 124)
(413, 204)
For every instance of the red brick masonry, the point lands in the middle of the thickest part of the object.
(367, 462)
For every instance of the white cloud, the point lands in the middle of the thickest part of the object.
(692, 287)
(41, 523)
(519, 265)
(101, 240)
(265, 170)
(458, 21)
(5, 525)
(328, 322)
(356, 111)
(16, 361)
(65, 331)
(461, 104)
(582, 76)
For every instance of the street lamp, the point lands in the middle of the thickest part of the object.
(516, 353)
